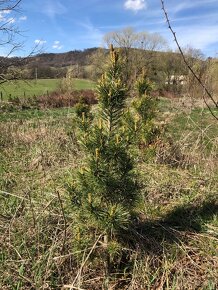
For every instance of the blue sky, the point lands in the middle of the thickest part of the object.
(63, 25)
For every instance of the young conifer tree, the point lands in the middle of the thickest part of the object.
(138, 120)
(105, 190)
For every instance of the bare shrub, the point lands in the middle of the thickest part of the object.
(59, 100)
(170, 153)
(52, 100)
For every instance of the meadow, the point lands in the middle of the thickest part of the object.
(30, 88)
(177, 234)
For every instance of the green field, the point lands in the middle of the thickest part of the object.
(30, 88)
(82, 84)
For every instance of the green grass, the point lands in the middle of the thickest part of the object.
(30, 88)
(200, 125)
(34, 114)
(178, 220)
(80, 84)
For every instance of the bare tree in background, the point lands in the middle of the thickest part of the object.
(206, 92)
(97, 63)
(8, 28)
(11, 41)
(138, 48)
(9, 34)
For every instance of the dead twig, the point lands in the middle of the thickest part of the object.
(79, 273)
(71, 287)
(188, 66)
(65, 221)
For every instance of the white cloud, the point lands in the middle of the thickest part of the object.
(6, 11)
(23, 18)
(135, 5)
(57, 45)
(3, 14)
(91, 33)
(53, 8)
(2, 18)
(40, 41)
(198, 37)
(187, 4)
(11, 20)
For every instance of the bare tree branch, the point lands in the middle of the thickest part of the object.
(188, 66)
(11, 4)
(10, 41)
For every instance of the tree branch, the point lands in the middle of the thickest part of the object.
(188, 66)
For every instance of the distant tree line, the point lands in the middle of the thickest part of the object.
(140, 50)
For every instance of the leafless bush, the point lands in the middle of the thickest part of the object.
(170, 153)
(50, 100)
(59, 100)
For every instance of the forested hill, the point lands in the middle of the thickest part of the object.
(89, 63)
(80, 57)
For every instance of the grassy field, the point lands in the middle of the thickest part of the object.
(178, 227)
(84, 84)
(35, 114)
(41, 86)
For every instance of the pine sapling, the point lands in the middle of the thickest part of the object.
(105, 189)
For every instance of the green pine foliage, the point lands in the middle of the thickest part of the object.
(145, 109)
(82, 109)
(139, 120)
(105, 190)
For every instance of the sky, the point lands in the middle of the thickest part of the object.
(64, 25)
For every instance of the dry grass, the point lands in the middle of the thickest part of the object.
(173, 244)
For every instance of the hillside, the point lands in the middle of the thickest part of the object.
(80, 57)
(89, 63)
